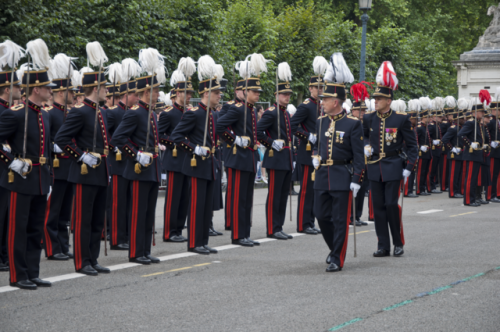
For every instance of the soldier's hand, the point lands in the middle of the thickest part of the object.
(294, 163)
(89, 159)
(406, 174)
(200, 152)
(242, 142)
(316, 161)
(278, 145)
(368, 151)
(424, 148)
(455, 150)
(162, 147)
(143, 159)
(6, 148)
(57, 149)
(436, 142)
(494, 144)
(355, 188)
(19, 167)
(474, 145)
(312, 138)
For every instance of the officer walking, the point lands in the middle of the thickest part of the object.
(424, 154)
(494, 128)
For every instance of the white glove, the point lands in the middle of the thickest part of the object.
(355, 188)
(368, 151)
(424, 148)
(19, 167)
(312, 138)
(242, 142)
(293, 166)
(57, 149)
(455, 150)
(494, 144)
(474, 145)
(436, 142)
(200, 152)
(406, 174)
(278, 145)
(162, 147)
(116, 149)
(143, 159)
(315, 162)
(88, 159)
(6, 148)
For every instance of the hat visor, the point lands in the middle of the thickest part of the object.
(50, 85)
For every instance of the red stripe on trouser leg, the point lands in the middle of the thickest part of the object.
(348, 220)
(479, 177)
(114, 217)
(303, 191)
(419, 174)
(428, 179)
(133, 223)
(270, 201)
(406, 186)
(168, 206)
(12, 235)
(73, 211)
(443, 178)
(229, 196)
(78, 217)
(402, 234)
(492, 167)
(468, 182)
(236, 209)
(464, 170)
(192, 217)
(371, 213)
(452, 179)
(48, 242)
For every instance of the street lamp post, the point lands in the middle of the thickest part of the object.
(364, 5)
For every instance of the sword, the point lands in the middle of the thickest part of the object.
(313, 176)
(97, 108)
(12, 81)
(208, 112)
(354, 222)
(26, 109)
(66, 92)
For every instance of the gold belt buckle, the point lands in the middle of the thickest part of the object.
(106, 152)
(382, 155)
(156, 149)
(42, 160)
(255, 147)
(329, 162)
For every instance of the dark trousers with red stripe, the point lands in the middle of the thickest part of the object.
(422, 171)
(142, 209)
(455, 171)
(200, 211)
(433, 173)
(26, 219)
(471, 181)
(239, 206)
(89, 213)
(333, 210)
(360, 198)
(371, 213)
(494, 189)
(387, 213)
(117, 213)
(176, 204)
(58, 213)
(228, 195)
(277, 197)
(409, 184)
(4, 222)
(305, 208)
(443, 172)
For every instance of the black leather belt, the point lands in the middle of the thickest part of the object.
(98, 150)
(386, 154)
(150, 149)
(331, 162)
(35, 160)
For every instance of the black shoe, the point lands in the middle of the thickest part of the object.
(288, 236)
(278, 236)
(411, 195)
(423, 194)
(482, 201)
(474, 204)
(199, 250)
(458, 196)
(446, 190)
(120, 246)
(381, 253)
(153, 260)
(69, 254)
(101, 269)
(3, 267)
(436, 191)
(58, 257)
(495, 200)
(175, 238)
(243, 242)
(108, 237)
(255, 243)
(317, 230)
(41, 283)
(329, 258)
(227, 228)
(68, 223)
(211, 232)
(294, 192)
(398, 251)
(184, 239)
(88, 270)
(211, 250)
(140, 260)
(333, 268)
(358, 223)
(310, 231)
(24, 284)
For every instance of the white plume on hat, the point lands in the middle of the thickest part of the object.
(414, 105)
(10, 54)
(462, 104)
(425, 103)
(114, 72)
(438, 103)
(177, 76)
(320, 65)
(367, 104)
(187, 66)
(497, 94)
(60, 65)
(259, 63)
(152, 62)
(219, 72)
(284, 72)
(450, 101)
(206, 67)
(386, 76)
(398, 105)
(338, 71)
(244, 68)
(95, 54)
(372, 104)
(161, 74)
(168, 100)
(130, 68)
(76, 78)
(40, 58)
(22, 69)
(291, 109)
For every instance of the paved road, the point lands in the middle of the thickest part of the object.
(446, 281)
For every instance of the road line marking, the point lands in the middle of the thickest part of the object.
(338, 327)
(6, 289)
(463, 214)
(65, 277)
(175, 270)
(360, 232)
(229, 246)
(122, 266)
(175, 256)
(398, 305)
(429, 211)
(202, 264)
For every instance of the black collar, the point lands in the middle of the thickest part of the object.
(144, 105)
(385, 115)
(89, 102)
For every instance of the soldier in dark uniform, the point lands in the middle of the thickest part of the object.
(278, 160)
(444, 126)
(338, 159)
(28, 179)
(473, 136)
(484, 173)
(198, 138)
(88, 172)
(113, 96)
(413, 113)
(386, 131)
(142, 168)
(303, 126)
(455, 152)
(241, 161)
(424, 153)
(494, 128)
(5, 81)
(56, 239)
(434, 128)
(119, 185)
(177, 191)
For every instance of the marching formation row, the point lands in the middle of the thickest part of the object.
(65, 157)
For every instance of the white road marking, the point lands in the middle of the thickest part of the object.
(175, 256)
(65, 277)
(429, 211)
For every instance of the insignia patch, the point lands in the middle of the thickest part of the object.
(239, 105)
(271, 108)
(194, 108)
(17, 107)
(307, 101)
(401, 113)
(168, 109)
(470, 120)
(452, 126)
(134, 107)
(48, 108)
(352, 117)
(230, 102)
(112, 107)
(79, 105)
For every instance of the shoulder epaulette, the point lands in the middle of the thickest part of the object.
(168, 109)
(239, 105)
(323, 116)
(419, 126)
(470, 120)
(112, 107)
(17, 107)
(48, 108)
(370, 112)
(453, 126)
(307, 101)
(271, 108)
(401, 113)
(79, 105)
(230, 102)
(134, 107)
(194, 108)
(352, 117)
(444, 121)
